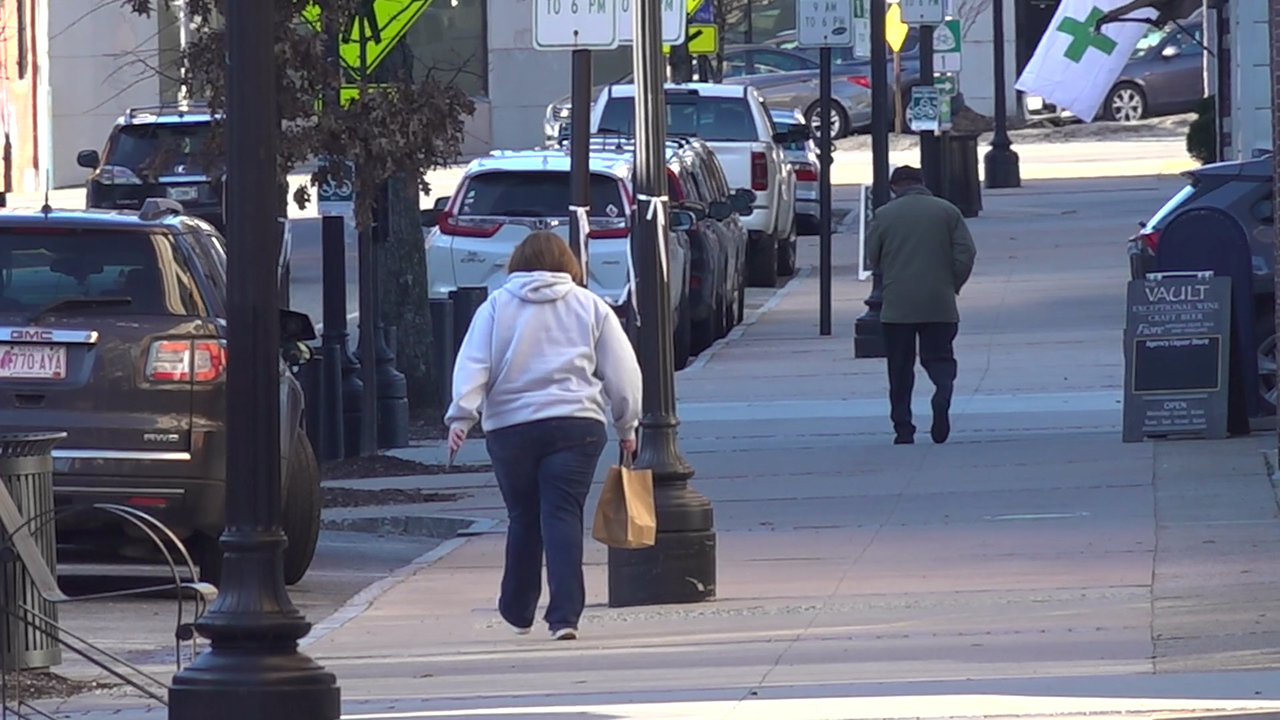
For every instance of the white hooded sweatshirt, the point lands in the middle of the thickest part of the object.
(542, 347)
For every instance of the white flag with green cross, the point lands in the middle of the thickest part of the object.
(1073, 66)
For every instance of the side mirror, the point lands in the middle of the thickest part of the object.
(741, 201)
(88, 159)
(747, 195)
(295, 327)
(441, 203)
(719, 210)
(429, 218)
(1171, 51)
(682, 221)
(697, 209)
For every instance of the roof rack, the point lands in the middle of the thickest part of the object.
(193, 107)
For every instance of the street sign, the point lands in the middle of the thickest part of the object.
(674, 21)
(944, 113)
(382, 25)
(336, 196)
(575, 24)
(895, 31)
(947, 46)
(701, 40)
(826, 23)
(923, 114)
(862, 29)
(922, 12)
(947, 84)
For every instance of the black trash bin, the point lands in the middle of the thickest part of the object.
(466, 300)
(960, 182)
(26, 467)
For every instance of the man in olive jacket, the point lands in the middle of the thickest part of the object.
(924, 252)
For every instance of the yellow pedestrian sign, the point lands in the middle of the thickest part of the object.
(385, 24)
(895, 31)
(701, 39)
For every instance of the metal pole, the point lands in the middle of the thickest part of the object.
(868, 342)
(824, 194)
(253, 670)
(368, 349)
(1001, 161)
(929, 155)
(1274, 27)
(681, 566)
(580, 156)
(335, 353)
(392, 395)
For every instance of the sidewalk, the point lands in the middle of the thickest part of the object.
(1034, 565)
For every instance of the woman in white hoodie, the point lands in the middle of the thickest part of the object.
(539, 361)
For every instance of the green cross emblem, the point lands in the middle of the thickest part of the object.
(1083, 36)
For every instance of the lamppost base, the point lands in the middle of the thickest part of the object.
(680, 568)
(1002, 169)
(868, 338)
(248, 684)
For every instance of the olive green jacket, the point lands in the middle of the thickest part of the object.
(924, 252)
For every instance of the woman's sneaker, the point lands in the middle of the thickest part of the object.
(514, 628)
(565, 634)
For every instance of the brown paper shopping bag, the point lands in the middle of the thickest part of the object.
(625, 516)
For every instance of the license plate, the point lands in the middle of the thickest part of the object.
(183, 193)
(41, 362)
(1035, 102)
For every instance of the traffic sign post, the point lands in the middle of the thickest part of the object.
(674, 21)
(822, 24)
(947, 84)
(947, 45)
(924, 111)
(861, 29)
(575, 24)
(337, 195)
(922, 12)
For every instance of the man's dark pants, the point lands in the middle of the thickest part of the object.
(544, 470)
(936, 356)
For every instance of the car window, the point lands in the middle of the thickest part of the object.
(710, 118)
(1150, 39)
(1189, 44)
(737, 67)
(786, 127)
(41, 267)
(535, 194)
(158, 148)
(1169, 207)
(783, 61)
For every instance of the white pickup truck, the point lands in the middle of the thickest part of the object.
(734, 121)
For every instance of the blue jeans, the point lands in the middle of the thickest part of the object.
(544, 470)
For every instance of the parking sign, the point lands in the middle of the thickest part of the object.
(824, 23)
(575, 24)
(922, 12)
(674, 21)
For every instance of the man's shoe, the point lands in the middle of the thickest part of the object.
(904, 440)
(565, 634)
(941, 429)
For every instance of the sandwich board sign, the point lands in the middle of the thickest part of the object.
(1177, 345)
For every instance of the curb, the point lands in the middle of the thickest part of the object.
(364, 599)
(750, 319)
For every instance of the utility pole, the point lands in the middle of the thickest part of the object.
(1273, 17)
(253, 670)
(868, 340)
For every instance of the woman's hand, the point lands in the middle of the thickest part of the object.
(456, 437)
(628, 446)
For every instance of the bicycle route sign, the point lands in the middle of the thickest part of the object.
(575, 24)
(924, 114)
(337, 196)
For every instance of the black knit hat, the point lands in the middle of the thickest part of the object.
(906, 175)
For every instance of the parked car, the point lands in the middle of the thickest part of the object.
(1164, 76)
(507, 194)
(845, 63)
(114, 330)
(803, 155)
(800, 90)
(154, 152)
(1244, 189)
(735, 123)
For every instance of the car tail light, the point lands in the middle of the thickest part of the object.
(147, 502)
(1150, 239)
(451, 224)
(805, 172)
(612, 229)
(117, 175)
(862, 80)
(675, 190)
(199, 361)
(759, 171)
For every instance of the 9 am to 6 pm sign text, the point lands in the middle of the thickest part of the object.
(575, 24)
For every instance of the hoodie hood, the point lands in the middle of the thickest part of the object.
(539, 286)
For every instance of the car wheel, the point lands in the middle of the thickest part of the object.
(839, 121)
(1126, 103)
(762, 261)
(741, 303)
(1264, 331)
(681, 346)
(302, 505)
(787, 254)
(704, 331)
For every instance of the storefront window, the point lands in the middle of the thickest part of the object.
(449, 42)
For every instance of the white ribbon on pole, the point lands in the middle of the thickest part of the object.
(583, 217)
(658, 213)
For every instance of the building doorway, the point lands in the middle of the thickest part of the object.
(1032, 18)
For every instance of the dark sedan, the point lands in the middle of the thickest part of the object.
(1165, 75)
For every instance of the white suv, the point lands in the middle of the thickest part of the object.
(734, 121)
(506, 195)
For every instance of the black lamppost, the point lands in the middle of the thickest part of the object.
(681, 566)
(253, 670)
(868, 340)
(1001, 161)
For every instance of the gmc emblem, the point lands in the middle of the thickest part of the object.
(31, 335)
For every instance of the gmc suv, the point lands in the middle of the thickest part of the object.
(113, 329)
